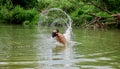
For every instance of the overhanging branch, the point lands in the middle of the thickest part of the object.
(99, 7)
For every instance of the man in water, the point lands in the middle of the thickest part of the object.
(59, 37)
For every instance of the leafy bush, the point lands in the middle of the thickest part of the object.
(18, 15)
(5, 15)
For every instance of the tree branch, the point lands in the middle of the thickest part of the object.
(99, 7)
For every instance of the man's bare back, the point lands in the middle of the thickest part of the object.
(59, 37)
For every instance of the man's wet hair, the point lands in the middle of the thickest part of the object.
(55, 33)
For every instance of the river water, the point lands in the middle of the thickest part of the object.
(32, 48)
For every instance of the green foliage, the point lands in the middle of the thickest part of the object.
(5, 15)
(80, 15)
(6, 4)
(18, 15)
(103, 14)
(26, 11)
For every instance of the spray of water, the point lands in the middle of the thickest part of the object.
(68, 24)
(69, 18)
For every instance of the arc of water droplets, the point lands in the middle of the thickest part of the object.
(51, 9)
(68, 32)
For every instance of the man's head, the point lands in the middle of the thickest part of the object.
(54, 33)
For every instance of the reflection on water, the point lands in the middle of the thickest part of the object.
(28, 48)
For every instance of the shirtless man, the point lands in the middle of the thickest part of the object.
(59, 37)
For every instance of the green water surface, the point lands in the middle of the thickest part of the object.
(32, 48)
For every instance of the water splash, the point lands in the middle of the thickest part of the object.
(45, 12)
(66, 24)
